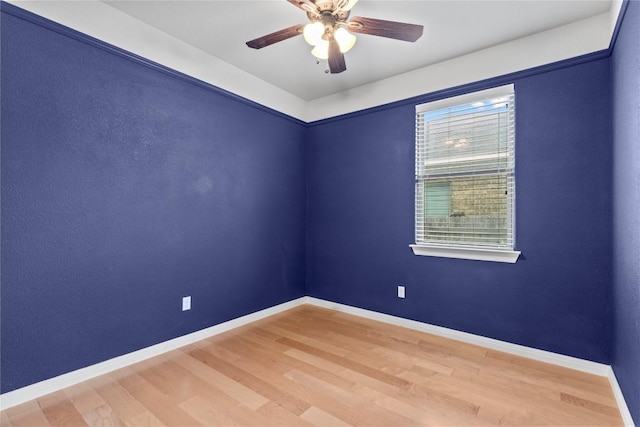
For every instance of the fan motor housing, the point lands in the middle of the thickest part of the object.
(327, 7)
(324, 5)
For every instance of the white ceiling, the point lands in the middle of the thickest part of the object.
(451, 28)
(464, 41)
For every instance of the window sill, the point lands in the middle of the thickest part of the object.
(480, 254)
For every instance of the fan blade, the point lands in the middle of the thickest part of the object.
(382, 28)
(336, 58)
(276, 37)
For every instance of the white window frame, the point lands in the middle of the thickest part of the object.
(473, 252)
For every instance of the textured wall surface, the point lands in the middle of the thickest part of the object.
(556, 297)
(626, 208)
(124, 189)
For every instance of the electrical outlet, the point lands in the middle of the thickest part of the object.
(186, 303)
(400, 291)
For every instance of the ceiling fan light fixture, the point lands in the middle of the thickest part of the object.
(321, 50)
(345, 39)
(330, 30)
(313, 33)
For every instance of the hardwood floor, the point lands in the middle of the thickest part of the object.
(311, 366)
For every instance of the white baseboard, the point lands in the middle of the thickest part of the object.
(34, 391)
(622, 404)
(520, 350)
(51, 385)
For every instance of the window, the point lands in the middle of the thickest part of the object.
(465, 184)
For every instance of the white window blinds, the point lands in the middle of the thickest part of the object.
(465, 189)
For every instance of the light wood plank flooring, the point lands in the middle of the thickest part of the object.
(311, 366)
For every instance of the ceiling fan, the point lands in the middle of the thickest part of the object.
(330, 30)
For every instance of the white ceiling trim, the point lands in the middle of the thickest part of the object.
(105, 23)
(578, 38)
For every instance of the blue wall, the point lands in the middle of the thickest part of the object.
(626, 208)
(557, 297)
(124, 189)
